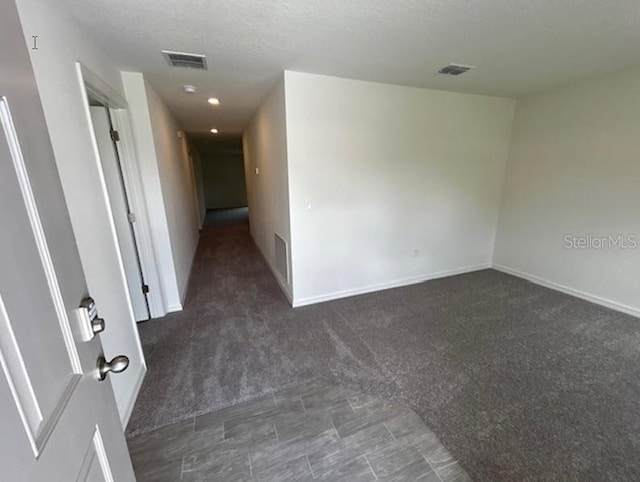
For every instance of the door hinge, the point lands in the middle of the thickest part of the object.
(131, 217)
(145, 289)
(115, 137)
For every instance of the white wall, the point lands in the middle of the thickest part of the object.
(265, 148)
(61, 44)
(136, 94)
(178, 187)
(389, 185)
(574, 169)
(197, 172)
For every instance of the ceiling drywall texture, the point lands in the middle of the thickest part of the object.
(517, 46)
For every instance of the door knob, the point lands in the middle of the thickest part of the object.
(117, 365)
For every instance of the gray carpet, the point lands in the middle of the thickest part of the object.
(519, 382)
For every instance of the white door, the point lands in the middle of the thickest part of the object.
(58, 423)
(120, 209)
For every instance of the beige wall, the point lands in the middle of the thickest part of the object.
(265, 154)
(390, 185)
(574, 170)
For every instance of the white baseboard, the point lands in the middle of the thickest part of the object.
(134, 398)
(614, 305)
(174, 307)
(388, 285)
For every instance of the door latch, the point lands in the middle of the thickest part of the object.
(92, 323)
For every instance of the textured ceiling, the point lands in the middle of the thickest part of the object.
(518, 46)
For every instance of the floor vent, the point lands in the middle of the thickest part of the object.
(282, 264)
(455, 69)
(183, 59)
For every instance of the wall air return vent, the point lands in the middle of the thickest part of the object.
(455, 69)
(183, 59)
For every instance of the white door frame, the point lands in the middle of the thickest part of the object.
(93, 86)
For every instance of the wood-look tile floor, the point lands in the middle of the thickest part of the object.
(313, 431)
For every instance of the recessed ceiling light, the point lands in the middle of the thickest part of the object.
(189, 89)
(214, 131)
(213, 101)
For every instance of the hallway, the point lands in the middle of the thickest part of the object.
(238, 338)
(481, 357)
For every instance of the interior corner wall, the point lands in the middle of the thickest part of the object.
(390, 185)
(574, 171)
(61, 44)
(179, 190)
(266, 173)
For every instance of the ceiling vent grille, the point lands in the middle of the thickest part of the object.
(455, 69)
(183, 59)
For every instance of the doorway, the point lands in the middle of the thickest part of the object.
(123, 216)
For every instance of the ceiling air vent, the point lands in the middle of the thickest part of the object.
(455, 69)
(183, 59)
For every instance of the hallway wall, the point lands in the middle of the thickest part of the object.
(266, 172)
(170, 186)
(197, 172)
(178, 188)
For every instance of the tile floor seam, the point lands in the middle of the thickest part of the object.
(350, 405)
(432, 468)
(276, 430)
(250, 467)
(390, 432)
(336, 430)
(309, 464)
(370, 467)
(304, 409)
